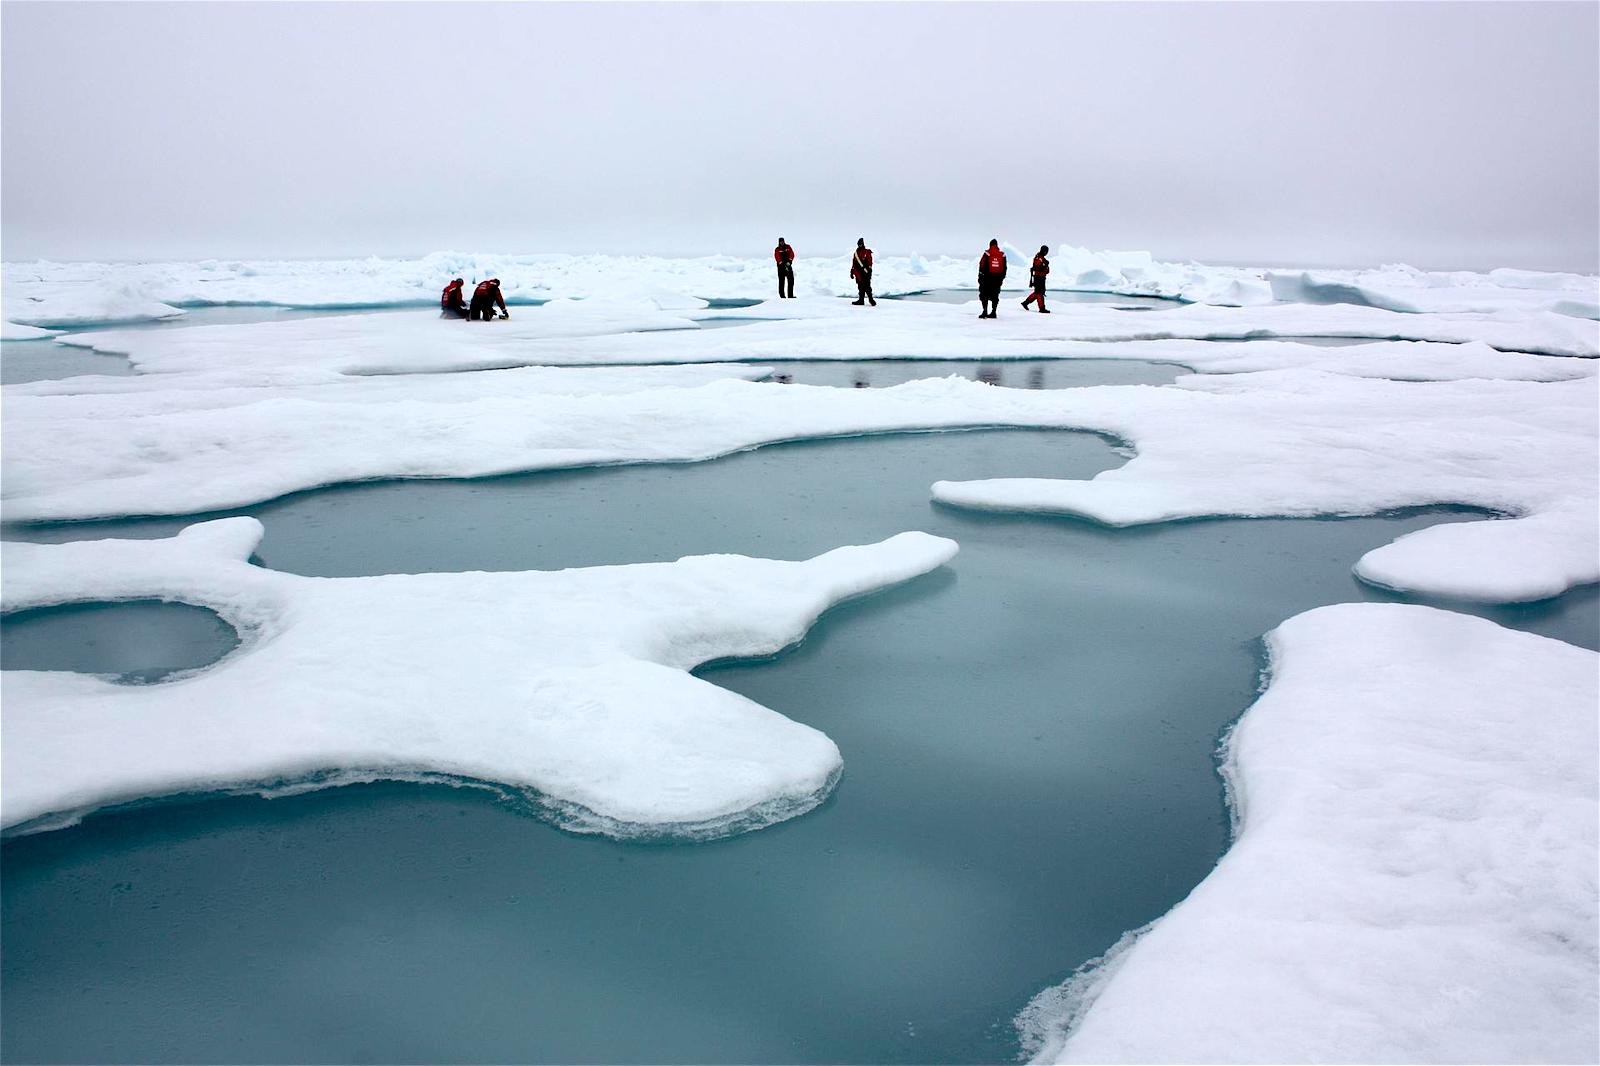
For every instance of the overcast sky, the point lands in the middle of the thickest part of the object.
(1439, 134)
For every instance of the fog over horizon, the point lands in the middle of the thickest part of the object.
(1444, 135)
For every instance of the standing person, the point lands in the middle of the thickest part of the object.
(1036, 275)
(991, 275)
(451, 302)
(861, 270)
(783, 255)
(484, 298)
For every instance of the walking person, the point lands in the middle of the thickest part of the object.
(861, 270)
(783, 255)
(991, 275)
(1036, 275)
(484, 298)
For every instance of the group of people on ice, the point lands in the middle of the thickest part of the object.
(991, 275)
(485, 298)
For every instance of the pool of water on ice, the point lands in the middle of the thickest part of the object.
(1028, 740)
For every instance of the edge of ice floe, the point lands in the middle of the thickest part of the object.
(204, 564)
(1477, 820)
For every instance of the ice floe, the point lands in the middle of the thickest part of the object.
(1413, 877)
(10, 331)
(47, 293)
(569, 333)
(1293, 443)
(1404, 288)
(569, 687)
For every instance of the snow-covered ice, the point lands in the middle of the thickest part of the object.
(567, 333)
(1289, 442)
(1404, 288)
(47, 293)
(77, 294)
(1413, 877)
(571, 684)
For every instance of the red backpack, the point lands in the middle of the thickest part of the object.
(994, 261)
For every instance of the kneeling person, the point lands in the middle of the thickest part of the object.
(484, 299)
(451, 302)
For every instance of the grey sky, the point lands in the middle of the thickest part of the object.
(1440, 134)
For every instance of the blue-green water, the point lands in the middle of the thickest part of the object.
(136, 641)
(1028, 738)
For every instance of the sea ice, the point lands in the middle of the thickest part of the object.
(1293, 442)
(571, 685)
(43, 293)
(573, 333)
(1413, 875)
(1404, 288)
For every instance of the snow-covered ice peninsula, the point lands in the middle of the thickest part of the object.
(570, 687)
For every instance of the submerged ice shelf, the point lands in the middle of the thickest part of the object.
(572, 684)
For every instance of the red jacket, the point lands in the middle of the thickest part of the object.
(1041, 266)
(782, 254)
(861, 262)
(993, 262)
(451, 297)
(489, 291)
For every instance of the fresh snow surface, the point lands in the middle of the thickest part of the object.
(570, 686)
(46, 293)
(1404, 288)
(1413, 877)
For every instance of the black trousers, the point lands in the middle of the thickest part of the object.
(989, 288)
(864, 285)
(786, 276)
(454, 311)
(482, 308)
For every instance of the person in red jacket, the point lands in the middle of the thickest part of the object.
(451, 303)
(1036, 275)
(783, 255)
(991, 274)
(484, 298)
(861, 270)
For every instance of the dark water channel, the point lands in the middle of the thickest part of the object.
(1028, 737)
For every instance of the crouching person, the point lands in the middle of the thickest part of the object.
(484, 299)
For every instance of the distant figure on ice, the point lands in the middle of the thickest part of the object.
(451, 303)
(861, 270)
(783, 255)
(484, 298)
(991, 274)
(1036, 275)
